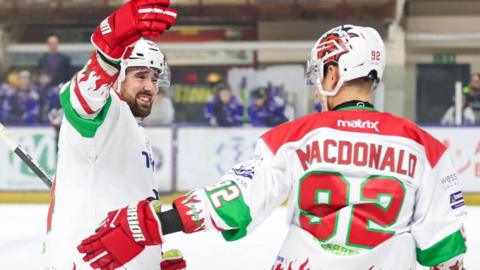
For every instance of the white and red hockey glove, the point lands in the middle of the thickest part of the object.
(123, 235)
(135, 19)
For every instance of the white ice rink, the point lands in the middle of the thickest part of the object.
(22, 229)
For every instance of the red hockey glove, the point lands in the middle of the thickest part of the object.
(136, 18)
(123, 235)
(173, 260)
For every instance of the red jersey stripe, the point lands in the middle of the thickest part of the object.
(82, 100)
(388, 125)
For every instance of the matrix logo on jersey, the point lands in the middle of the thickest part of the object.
(359, 124)
(456, 200)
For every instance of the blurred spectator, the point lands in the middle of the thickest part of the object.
(473, 95)
(54, 62)
(162, 110)
(29, 98)
(267, 108)
(468, 116)
(20, 104)
(7, 89)
(49, 99)
(224, 109)
(317, 107)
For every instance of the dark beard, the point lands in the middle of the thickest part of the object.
(137, 110)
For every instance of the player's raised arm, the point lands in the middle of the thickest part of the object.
(88, 92)
(439, 214)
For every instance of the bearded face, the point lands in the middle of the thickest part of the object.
(139, 88)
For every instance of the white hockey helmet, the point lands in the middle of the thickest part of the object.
(146, 53)
(357, 51)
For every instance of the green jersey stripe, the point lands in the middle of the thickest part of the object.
(86, 127)
(230, 206)
(447, 248)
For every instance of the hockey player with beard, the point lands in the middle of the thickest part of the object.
(365, 189)
(104, 158)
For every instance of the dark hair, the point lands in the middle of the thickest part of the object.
(325, 67)
(222, 86)
(371, 78)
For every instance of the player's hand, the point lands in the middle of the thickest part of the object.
(136, 18)
(173, 260)
(123, 235)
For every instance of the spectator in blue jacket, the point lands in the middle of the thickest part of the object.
(223, 108)
(6, 90)
(267, 108)
(49, 98)
(55, 62)
(20, 105)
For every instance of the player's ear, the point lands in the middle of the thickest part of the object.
(332, 75)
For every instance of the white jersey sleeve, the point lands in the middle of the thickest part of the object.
(244, 197)
(86, 98)
(439, 214)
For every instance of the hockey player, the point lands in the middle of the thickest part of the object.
(104, 158)
(366, 189)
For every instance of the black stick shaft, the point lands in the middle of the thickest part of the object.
(33, 165)
(18, 150)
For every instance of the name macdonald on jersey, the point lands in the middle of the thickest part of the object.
(361, 154)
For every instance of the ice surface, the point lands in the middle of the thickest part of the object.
(22, 229)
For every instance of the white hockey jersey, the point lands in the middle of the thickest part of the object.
(366, 190)
(104, 163)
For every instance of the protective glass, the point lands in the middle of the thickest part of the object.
(164, 77)
(313, 74)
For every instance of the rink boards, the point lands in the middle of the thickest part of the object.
(189, 157)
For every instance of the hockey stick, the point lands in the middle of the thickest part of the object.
(18, 150)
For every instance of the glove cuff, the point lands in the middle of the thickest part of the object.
(155, 208)
(113, 55)
(190, 211)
